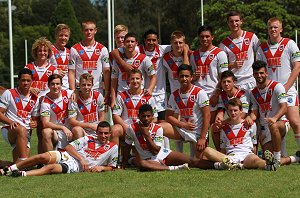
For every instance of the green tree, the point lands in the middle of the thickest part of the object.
(64, 13)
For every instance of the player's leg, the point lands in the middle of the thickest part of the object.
(215, 134)
(39, 129)
(294, 119)
(18, 137)
(170, 131)
(78, 132)
(152, 165)
(48, 169)
(275, 130)
(48, 138)
(213, 155)
(252, 161)
(118, 133)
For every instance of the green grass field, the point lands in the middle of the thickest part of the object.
(131, 183)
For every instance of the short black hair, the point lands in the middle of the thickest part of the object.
(257, 65)
(145, 108)
(131, 34)
(150, 31)
(185, 67)
(228, 73)
(234, 13)
(103, 124)
(205, 28)
(24, 71)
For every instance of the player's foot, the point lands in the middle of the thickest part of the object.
(17, 173)
(226, 164)
(184, 167)
(6, 171)
(270, 161)
(1, 172)
(297, 156)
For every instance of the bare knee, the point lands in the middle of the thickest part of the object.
(47, 134)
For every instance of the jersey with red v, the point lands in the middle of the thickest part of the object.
(152, 129)
(94, 152)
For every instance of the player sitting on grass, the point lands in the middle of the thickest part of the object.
(151, 154)
(237, 140)
(89, 154)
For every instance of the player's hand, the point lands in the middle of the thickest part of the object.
(216, 127)
(84, 165)
(34, 91)
(186, 49)
(201, 144)
(13, 125)
(148, 92)
(286, 88)
(96, 169)
(248, 121)
(271, 121)
(107, 98)
(213, 100)
(189, 126)
(197, 74)
(68, 133)
(62, 72)
(238, 64)
(127, 67)
(93, 126)
(74, 96)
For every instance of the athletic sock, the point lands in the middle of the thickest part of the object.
(179, 167)
(217, 165)
(277, 156)
(24, 174)
(294, 158)
(173, 168)
(13, 167)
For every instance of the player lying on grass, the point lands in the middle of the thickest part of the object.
(237, 140)
(151, 154)
(89, 154)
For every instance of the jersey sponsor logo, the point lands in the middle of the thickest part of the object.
(52, 106)
(80, 107)
(133, 113)
(274, 62)
(281, 96)
(296, 55)
(177, 99)
(89, 65)
(186, 112)
(290, 100)
(91, 117)
(192, 97)
(127, 100)
(116, 107)
(242, 56)
(106, 147)
(231, 46)
(39, 85)
(266, 49)
(281, 47)
(48, 73)
(205, 102)
(136, 63)
(76, 142)
(211, 56)
(22, 113)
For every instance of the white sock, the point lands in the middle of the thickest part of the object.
(217, 165)
(24, 174)
(297, 138)
(293, 159)
(173, 168)
(283, 148)
(13, 167)
(22, 158)
(277, 156)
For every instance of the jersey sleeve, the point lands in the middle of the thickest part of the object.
(256, 43)
(100, 103)
(202, 99)
(148, 67)
(280, 93)
(245, 102)
(114, 69)
(72, 58)
(45, 109)
(159, 137)
(220, 104)
(118, 108)
(294, 51)
(254, 105)
(80, 143)
(105, 58)
(36, 109)
(113, 158)
(153, 105)
(172, 104)
(253, 133)
(5, 99)
(223, 139)
(222, 62)
(72, 109)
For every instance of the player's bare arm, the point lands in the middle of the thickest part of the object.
(294, 75)
(175, 122)
(71, 77)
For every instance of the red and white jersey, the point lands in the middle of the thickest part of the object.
(156, 58)
(241, 49)
(95, 152)
(60, 59)
(238, 139)
(240, 94)
(19, 108)
(189, 105)
(211, 64)
(267, 100)
(171, 64)
(280, 58)
(133, 135)
(56, 109)
(87, 110)
(89, 60)
(40, 76)
(138, 61)
(127, 105)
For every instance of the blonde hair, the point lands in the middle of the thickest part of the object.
(61, 27)
(120, 28)
(177, 34)
(86, 76)
(42, 41)
(274, 19)
(85, 23)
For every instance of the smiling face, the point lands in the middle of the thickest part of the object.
(274, 29)
(177, 45)
(89, 30)
(62, 38)
(260, 75)
(146, 118)
(42, 53)
(85, 86)
(205, 39)
(55, 86)
(135, 80)
(130, 44)
(234, 112)
(151, 42)
(119, 38)
(234, 23)
(103, 134)
(185, 78)
(25, 82)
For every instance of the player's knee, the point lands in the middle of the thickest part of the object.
(47, 134)
(43, 158)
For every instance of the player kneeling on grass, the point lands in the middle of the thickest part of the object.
(151, 154)
(89, 154)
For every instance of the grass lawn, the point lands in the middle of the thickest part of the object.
(131, 183)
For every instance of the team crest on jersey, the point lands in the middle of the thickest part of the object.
(57, 55)
(193, 98)
(211, 56)
(127, 100)
(49, 73)
(97, 51)
(80, 107)
(137, 63)
(247, 41)
(17, 100)
(66, 100)
(266, 50)
(31, 102)
(81, 52)
(270, 92)
(143, 101)
(52, 106)
(177, 99)
(106, 147)
(231, 46)
(94, 102)
(281, 47)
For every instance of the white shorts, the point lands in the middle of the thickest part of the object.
(238, 157)
(292, 99)
(266, 134)
(62, 140)
(161, 156)
(67, 159)
(248, 86)
(5, 137)
(160, 101)
(189, 136)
